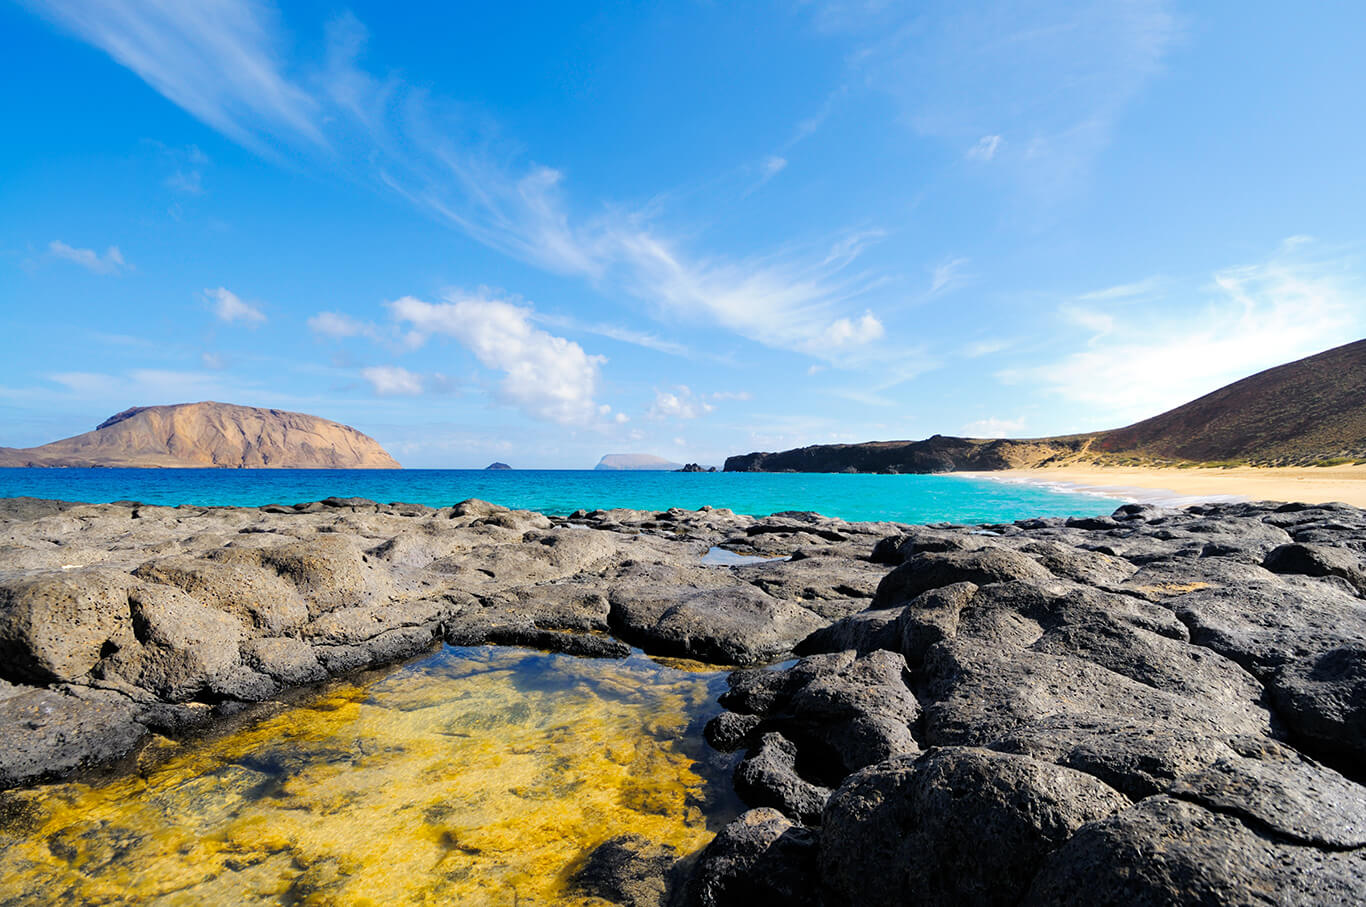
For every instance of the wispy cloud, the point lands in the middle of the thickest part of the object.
(221, 60)
(986, 347)
(146, 387)
(1146, 287)
(947, 275)
(111, 262)
(617, 332)
(338, 325)
(545, 376)
(1242, 319)
(229, 307)
(993, 428)
(227, 63)
(986, 148)
(1055, 76)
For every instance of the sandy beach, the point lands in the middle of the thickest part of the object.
(1313, 485)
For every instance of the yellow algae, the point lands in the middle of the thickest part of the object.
(470, 776)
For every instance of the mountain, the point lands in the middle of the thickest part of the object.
(1303, 412)
(210, 434)
(1309, 411)
(636, 461)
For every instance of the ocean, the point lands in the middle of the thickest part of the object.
(900, 498)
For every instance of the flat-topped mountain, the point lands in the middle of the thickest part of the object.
(1309, 411)
(210, 434)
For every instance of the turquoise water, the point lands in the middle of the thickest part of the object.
(907, 499)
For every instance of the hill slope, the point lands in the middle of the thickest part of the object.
(210, 434)
(1306, 411)
(1301, 413)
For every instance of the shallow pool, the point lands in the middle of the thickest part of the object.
(471, 775)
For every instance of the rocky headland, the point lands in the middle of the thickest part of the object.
(208, 434)
(1156, 707)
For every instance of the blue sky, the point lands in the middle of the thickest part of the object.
(544, 232)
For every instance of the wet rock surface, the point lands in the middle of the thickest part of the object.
(1159, 706)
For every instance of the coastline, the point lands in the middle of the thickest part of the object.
(1173, 487)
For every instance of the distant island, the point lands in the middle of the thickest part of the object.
(637, 462)
(497, 465)
(210, 434)
(1310, 412)
(694, 467)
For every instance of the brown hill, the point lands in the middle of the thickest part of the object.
(210, 434)
(1309, 411)
(1303, 412)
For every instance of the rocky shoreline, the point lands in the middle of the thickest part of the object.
(1163, 706)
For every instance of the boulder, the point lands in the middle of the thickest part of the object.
(958, 825)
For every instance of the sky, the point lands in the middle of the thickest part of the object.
(544, 232)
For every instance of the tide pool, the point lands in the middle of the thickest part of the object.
(467, 776)
(907, 499)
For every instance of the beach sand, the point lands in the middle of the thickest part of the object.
(1311, 485)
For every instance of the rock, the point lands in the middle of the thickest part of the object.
(1281, 791)
(629, 870)
(50, 733)
(729, 731)
(180, 647)
(769, 777)
(1323, 701)
(760, 858)
(288, 661)
(730, 625)
(497, 465)
(1164, 851)
(56, 626)
(955, 826)
(933, 570)
(1319, 560)
(259, 598)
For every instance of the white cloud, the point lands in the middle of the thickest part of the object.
(986, 148)
(213, 361)
(1244, 320)
(547, 377)
(112, 262)
(731, 395)
(845, 332)
(338, 325)
(622, 418)
(392, 380)
(230, 307)
(681, 403)
(993, 428)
